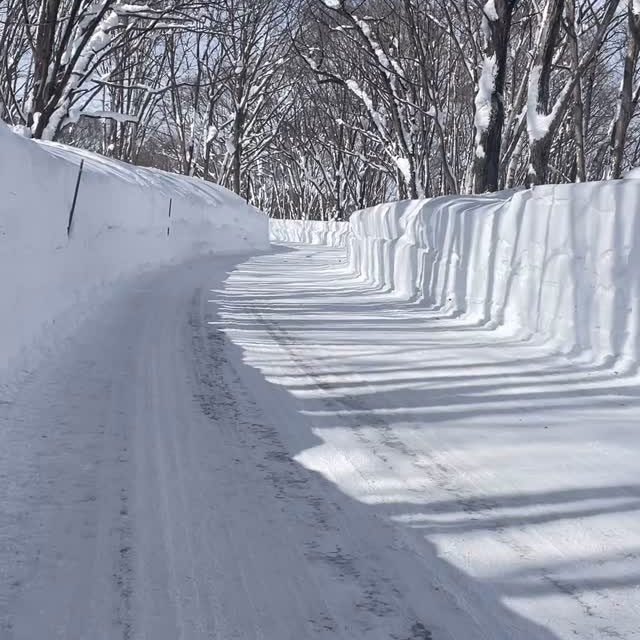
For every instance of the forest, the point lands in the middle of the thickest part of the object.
(317, 108)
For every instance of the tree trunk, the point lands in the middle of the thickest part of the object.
(541, 124)
(539, 141)
(238, 126)
(578, 108)
(488, 126)
(42, 57)
(626, 100)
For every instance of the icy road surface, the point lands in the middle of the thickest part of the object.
(266, 448)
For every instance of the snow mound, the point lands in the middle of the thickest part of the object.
(332, 234)
(560, 262)
(121, 225)
(632, 174)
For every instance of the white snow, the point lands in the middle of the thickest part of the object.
(332, 234)
(119, 227)
(122, 118)
(99, 40)
(130, 9)
(229, 144)
(556, 262)
(429, 432)
(470, 377)
(514, 260)
(404, 166)
(378, 118)
(489, 10)
(537, 123)
(633, 174)
(279, 447)
(486, 85)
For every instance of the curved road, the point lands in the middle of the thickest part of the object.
(265, 448)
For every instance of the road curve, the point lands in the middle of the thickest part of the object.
(167, 474)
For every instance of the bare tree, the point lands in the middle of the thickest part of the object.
(628, 96)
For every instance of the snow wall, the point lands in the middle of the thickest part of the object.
(558, 261)
(332, 234)
(119, 227)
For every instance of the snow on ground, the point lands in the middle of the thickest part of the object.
(154, 492)
(383, 441)
(332, 234)
(481, 355)
(119, 227)
(269, 448)
(507, 473)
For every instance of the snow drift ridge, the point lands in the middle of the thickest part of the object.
(558, 262)
(332, 234)
(119, 227)
(561, 262)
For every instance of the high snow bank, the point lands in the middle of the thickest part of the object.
(119, 227)
(560, 261)
(332, 234)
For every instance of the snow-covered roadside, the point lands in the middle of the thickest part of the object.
(120, 226)
(507, 473)
(332, 234)
(559, 262)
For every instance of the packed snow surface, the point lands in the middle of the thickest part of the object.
(273, 448)
(121, 224)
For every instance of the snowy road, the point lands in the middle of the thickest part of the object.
(266, 448)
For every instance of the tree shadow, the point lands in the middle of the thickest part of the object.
(384, 376)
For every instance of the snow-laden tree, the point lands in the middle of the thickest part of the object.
(489, 100)
(68, 41)
(629, 95)
(318, 107)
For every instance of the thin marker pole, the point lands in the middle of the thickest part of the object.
(75, 199)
